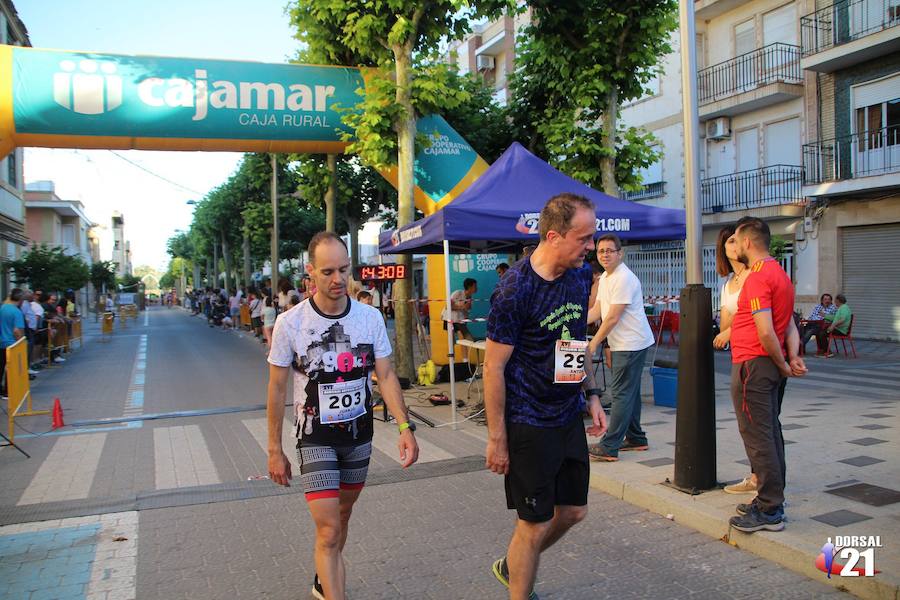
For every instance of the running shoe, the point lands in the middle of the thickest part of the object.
(317, 590)
(597, 452)
(629, 445)
(500, 569)
(744, 507)
(758, 520)
(744, 486)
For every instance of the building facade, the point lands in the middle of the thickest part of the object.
(12, 205)
(121, 252)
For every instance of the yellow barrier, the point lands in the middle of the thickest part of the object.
(76, 333)
(57, 339)
(123, 317)
(18, 385)
(245, 316)
(106, 329)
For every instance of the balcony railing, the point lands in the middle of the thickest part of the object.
(874, 152)
(775, 185)
(649, 190)
(845, 21)
(770, 64)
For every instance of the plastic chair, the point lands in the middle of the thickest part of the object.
(669, 321)
(835, 336)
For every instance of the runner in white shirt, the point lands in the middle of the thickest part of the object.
(332, 344)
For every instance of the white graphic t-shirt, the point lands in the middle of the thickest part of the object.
(333, 358)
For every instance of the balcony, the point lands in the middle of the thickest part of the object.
(710, 9)
(647, 191)
(773, 186)
(849, 32)
(754, 80)
(853, 164)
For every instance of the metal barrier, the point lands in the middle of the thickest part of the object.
(57, 339)
(18, 386)
(106, 329)
(76, 334)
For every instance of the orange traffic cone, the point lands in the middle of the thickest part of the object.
(57, 414)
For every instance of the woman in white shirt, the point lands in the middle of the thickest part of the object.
(727, 265)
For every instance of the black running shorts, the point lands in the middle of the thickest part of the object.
(548, 467)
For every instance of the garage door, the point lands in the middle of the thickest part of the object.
(872, 279)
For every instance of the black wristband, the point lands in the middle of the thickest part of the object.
(593, 392)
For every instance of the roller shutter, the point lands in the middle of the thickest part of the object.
(871, 283)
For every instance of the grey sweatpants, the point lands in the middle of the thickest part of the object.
(754, 391)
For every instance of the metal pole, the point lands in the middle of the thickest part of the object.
(451, 364)
(695, 419)
(274, 278)
(694, 241)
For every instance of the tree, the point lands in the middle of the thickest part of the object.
(396, 38)
(103, 276)
(576, 64)
(129, 283)
(50, 268)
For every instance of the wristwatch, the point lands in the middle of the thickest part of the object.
(593, 392)
(408, 425)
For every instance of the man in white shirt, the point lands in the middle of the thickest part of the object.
(620, 304)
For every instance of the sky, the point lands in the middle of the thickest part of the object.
(154, 208)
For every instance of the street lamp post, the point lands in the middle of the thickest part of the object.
(695, 420)
(274, 277)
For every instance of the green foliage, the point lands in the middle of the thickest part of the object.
(129, 283)
(50, 268)
(103, 273)
(576, 64)
(478, 118)
(777, 246)
(167, 281)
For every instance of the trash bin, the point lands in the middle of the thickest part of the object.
(665, 386)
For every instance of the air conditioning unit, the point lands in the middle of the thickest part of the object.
(483, 62)
(718, 129)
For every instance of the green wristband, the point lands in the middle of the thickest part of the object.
(403, 427)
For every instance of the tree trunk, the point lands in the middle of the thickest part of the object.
(215, 271)
(608, 141)
(330, 195)
(353, 226)
(405, 127)
(246, 259)
(226, 254)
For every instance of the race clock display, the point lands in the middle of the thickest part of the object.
(388, 272)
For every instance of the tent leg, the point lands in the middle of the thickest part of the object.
(450, 356)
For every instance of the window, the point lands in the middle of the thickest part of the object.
(744, 38)
(652, 173)
(780, 25)
(12, 170)
(783, 143)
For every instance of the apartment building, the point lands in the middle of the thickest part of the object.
(121, 252)
(12, 204)
(851, 158)
(799, 105)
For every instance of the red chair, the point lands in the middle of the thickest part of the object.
(834, 336)
(669, 321)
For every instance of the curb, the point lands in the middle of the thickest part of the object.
(774, 547)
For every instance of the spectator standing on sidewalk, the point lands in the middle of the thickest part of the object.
(535, 384)
(12, 327)
(764, 350)
(268, 317)
(256, 308)
(31, 325)
(620, 304)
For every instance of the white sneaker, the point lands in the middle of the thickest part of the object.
(59, 359)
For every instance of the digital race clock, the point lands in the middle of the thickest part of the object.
(388, 272)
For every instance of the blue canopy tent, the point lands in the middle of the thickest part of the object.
(499, 212)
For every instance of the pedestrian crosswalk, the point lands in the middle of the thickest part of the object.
(68, 471)
(181, 458)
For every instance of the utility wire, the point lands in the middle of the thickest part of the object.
(157, 175)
